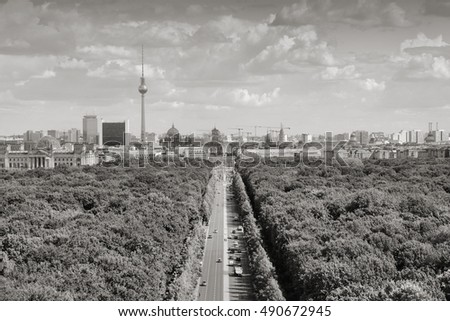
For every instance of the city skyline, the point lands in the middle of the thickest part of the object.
(378, 65)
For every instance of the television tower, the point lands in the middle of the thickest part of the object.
(143, 90)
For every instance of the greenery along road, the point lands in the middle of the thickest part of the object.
(99, 233)
(378, 232)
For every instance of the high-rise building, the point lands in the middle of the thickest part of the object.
(282, 138)
(341, 137)
(306, 138)
(143, 90)
(362, 137)
(54, 133)
(73, 135)
(415, 137)
(31, 136)
(400, 138)
(438, 136)
(90, 129)
(116, 133)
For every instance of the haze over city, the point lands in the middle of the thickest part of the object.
(314, 65)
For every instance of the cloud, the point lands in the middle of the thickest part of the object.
(294, 47)
(423, 41)
(217, 107)
(124, 69)
(105, 51)
(244, 97)
(437, 7)
(440, 68)
(72, 63)
(47, 74)
(152, 34)
(373, 85)
(363, 13)
(194, 9)
(42, 29)
(347, 72)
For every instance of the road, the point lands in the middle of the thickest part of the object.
(221, 283)
(240, 288)
(213, 272)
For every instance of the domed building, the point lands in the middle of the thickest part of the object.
(353, 141)
(173, 139)
(172, 132)
(48, 143)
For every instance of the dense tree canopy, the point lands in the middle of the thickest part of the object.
(98, 233)
(375, 232)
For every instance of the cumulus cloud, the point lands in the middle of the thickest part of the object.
(105, 51)
(292, 48)
(72, 63)
(152, 34)
(372, 85)
(123, 69)
(244, 97)
(424, 57)
(45, 75)
(44, 29)
(347, 72)
(356, 12)
(423, 41)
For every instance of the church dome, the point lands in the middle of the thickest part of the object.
(172, 131)
(48, 142)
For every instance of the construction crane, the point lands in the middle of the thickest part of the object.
(266, 127)
(239, 130)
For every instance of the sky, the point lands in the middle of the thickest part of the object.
(313, 65)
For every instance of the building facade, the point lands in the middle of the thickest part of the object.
(90, 129)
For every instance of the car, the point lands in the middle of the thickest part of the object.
(233, 232)
(231, 262)
(219, 260)
(229, 236)
(215, 231)
(235, 243)
(210, 236)
(238, 271)
(203, 283)
(237, 259)
(235, 237)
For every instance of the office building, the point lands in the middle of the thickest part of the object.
(31, 136)
(115, 134)
(90, 129)
(73, 135)
(362, 137)
(415, 137)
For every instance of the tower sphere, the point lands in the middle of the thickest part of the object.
(143, 89)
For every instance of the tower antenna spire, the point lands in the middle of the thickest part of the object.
(142, 60)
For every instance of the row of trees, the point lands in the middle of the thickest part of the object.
(100, 233)
(375, 232)
(264, 276)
